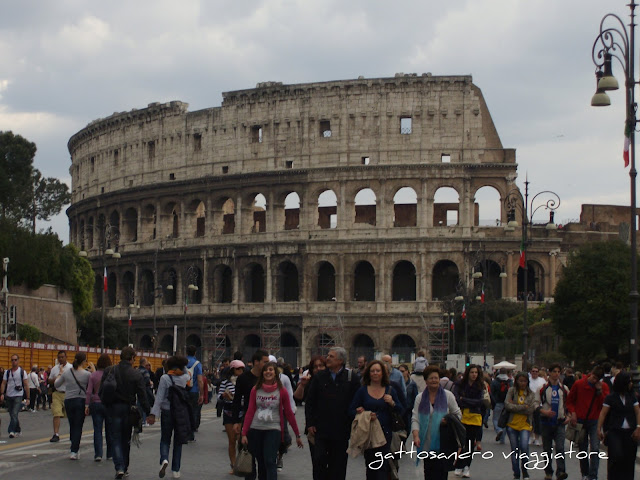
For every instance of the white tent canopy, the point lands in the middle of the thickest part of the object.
(504, 364)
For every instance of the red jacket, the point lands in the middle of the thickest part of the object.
(580, 397)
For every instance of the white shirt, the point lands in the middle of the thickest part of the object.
(55, 371)
(536, 385)
(13, 380)
(286, 383)
(33, 380)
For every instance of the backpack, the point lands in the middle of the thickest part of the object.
(190, 370)
(181, 413)
(108, 387)
(502, 391)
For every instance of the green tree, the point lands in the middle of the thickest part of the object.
(115, 334)
(16, 170)
(591, 309)
(28, 333)
(49, 196)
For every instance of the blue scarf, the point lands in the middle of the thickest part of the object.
(430, 422)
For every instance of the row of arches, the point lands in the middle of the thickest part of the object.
(252, 213)
(250, 283)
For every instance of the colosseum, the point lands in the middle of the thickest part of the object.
(296, 217)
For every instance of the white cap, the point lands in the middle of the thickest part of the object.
(272, 358)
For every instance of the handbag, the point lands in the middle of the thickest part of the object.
(397, 423)
(486, 399)
(243, 465)
(503, 419)
(577, 433)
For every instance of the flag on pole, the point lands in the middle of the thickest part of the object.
(129, 318)
(627, 144)
(522, 254)
(105, 279)
(482, 295)
(464, 312)
(453, 325)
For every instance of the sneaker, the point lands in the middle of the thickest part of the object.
(537, 442)
(97, 459)
(120, 474)
(562, 475)
(73, 456)
(55, 438)
(279, 463)
(126, 473)
(163, 468)
(457, 472)
(176, 474)
(12, 434)
(499, 436)
(466, 473)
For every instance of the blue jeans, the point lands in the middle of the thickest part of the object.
(519, 440)
(553, 434)
(14, 405)
(98, 414)
(589, 466)
(166, 431)
(118, 416)
(497, 410)
(264, 445)
(75, 414)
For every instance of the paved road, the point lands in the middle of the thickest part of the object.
(32, 455)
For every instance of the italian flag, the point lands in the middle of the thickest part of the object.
(129, 318)
(522, 259)
(464, 312)
(105, 279)
(627, 144)
(482, 295)
(453, 325)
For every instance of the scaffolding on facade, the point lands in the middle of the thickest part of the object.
(271, 335)
(437, 338)
(330, 333)
(215, 338)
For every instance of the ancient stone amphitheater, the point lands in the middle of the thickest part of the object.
(296, 217)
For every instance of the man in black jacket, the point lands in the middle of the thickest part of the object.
(326, 409)
(130, 386)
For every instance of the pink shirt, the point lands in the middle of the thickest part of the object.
(93, 387)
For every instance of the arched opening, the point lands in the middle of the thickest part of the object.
(259, 212)
(292, 211)
(323, 343)
(172, 213)
(130, 225)
(200, 219)
(403, 346)
(147, 288)
(195, 296)
(287, 283)
(128, 292)
(362, 346)
(170, 290)
(100, 232)
(112, 289)
(149, 223)
(405, 208)
(228, 217)
(487, 208)
(194, 340)
(254, 284)
(222, 284)
(90, 228)
(490, 281)
(327, 209)
(146, 343)
(364, 283)
(114, 219)
(446, 207)
(83, 236)
(535, 282)
(404, 282)
(289, 348)
(250, 344)
(445, 279)
(166, 345)
(326, 283)
(365, 204)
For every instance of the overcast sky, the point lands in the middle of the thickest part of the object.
(68, 62)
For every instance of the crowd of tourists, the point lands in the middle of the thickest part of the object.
(374, 410)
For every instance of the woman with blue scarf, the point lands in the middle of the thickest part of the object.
(429, 412)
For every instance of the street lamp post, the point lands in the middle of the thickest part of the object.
(130, 304)
(616, 41)
(190, 282)
(514, 201)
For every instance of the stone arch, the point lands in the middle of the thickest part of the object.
(292, 211)
(535, 281)
(364, 282)
(112, 289)
(405, 207)
(130, 225)
(195, 340)
(287, 283)
(89, 231)
(446, 207)
(403, 345)
(404, 282)
(195, 295)
(289, 348)
(365, 206)
(114, 219)
(487, 207)
(83, 235)
(170, 279)
(197, 217)
(322, 343)
(222, 284)
(172, 213)
(147, 288)
(166, 344)
(362, 344)
(250, 344)
(146, 342)
(254, 284)
(149, 223)
(100, 231)
(327, 209)
(325, 282)
(257, 212)
(224, 215)
(445, 278)
(490, 280)
(127, 291)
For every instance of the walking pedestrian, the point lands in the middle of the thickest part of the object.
(584, 402)
(226, 393)
(262, 430)
(499, 388)
(521, 402)
(430, 408)
(143, 366)
(379, 398)
(194, 367)
(34, 386)
(95, 408)
(57, 395)
(536, 382)
(619, 428)
(169, 423)
(75, 380)
(329, 396)
(42, 389)
(129, 387)
(553, 418)
(412, 393)
(13, 389)
(469, 393)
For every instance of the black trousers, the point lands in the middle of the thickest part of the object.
(622, 454)
(330, 458)
(436, 469)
